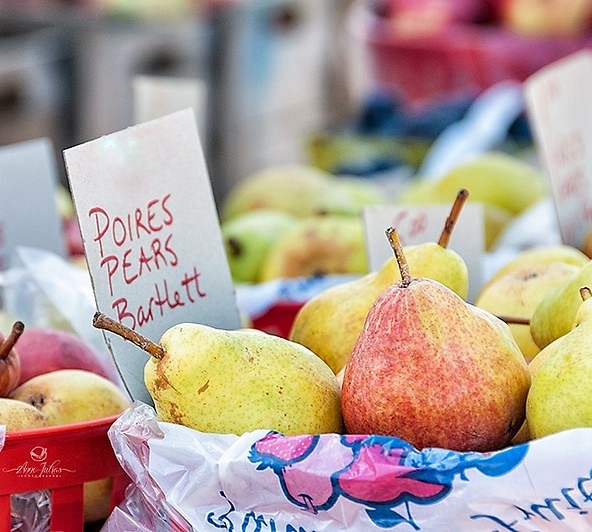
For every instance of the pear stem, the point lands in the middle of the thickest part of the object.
(395, 242)
(101, 321)
(6, 346)
(512, 320)
(585, 293)
(459, 202)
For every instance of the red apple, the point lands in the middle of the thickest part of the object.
(10, 367)
(42, 350)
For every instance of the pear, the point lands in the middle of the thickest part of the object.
(68, 396)
(555, 314)
(546, 254)
(238, 381)
(300, 189)
(329, 323)
(248, 238)
(494, 178)
(515, 296)
(561, 378)
(432, 369)
(17, 415)
(317, 245)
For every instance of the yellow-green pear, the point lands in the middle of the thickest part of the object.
(17, 415)
(493, 177)
(330, 322)
(562, 378)
(555, 314)
(317, 245)
(542, 255)
(516, 295)
(68, 396)
(299, 189)
(248, 238)
(238, 381)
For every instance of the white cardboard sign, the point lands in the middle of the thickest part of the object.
(156, 96)
(151, 234)
(416, 224)
(28, 211)
(560, 112)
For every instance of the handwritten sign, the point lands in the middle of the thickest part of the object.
(416, 224)
(156, 96)
(151, 234)
(28, 211)
(560, 112)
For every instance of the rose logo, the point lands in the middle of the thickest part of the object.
(38, 453)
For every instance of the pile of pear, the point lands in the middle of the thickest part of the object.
(297, 220)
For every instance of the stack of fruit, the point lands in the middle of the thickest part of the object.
(292, 221)
(52, 378)
(399, 352)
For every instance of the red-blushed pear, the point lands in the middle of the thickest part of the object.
(10, 364)
(434, 370)
(42, 350)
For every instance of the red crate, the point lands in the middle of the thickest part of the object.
(459, 58)
(60, 459)
(278, 319)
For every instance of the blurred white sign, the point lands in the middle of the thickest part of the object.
(560, 112)
(28, 210)
(156, 96)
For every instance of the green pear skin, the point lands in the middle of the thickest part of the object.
(436, 371)
(330, 322)
(555, 314)
(248, 238)
(234, 382)
(561, 380)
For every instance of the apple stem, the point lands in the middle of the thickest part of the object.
(395, 242)
(459, 202)
(512, 320)
(6, 346)
(585, 293)
(101, 321)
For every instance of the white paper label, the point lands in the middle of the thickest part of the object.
(28, 210)
(416, 224)
(151, 234)
(560, 111)
(156, 96)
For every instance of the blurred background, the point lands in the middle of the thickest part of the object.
(355, 86)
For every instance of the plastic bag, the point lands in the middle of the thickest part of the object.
(266, 481)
